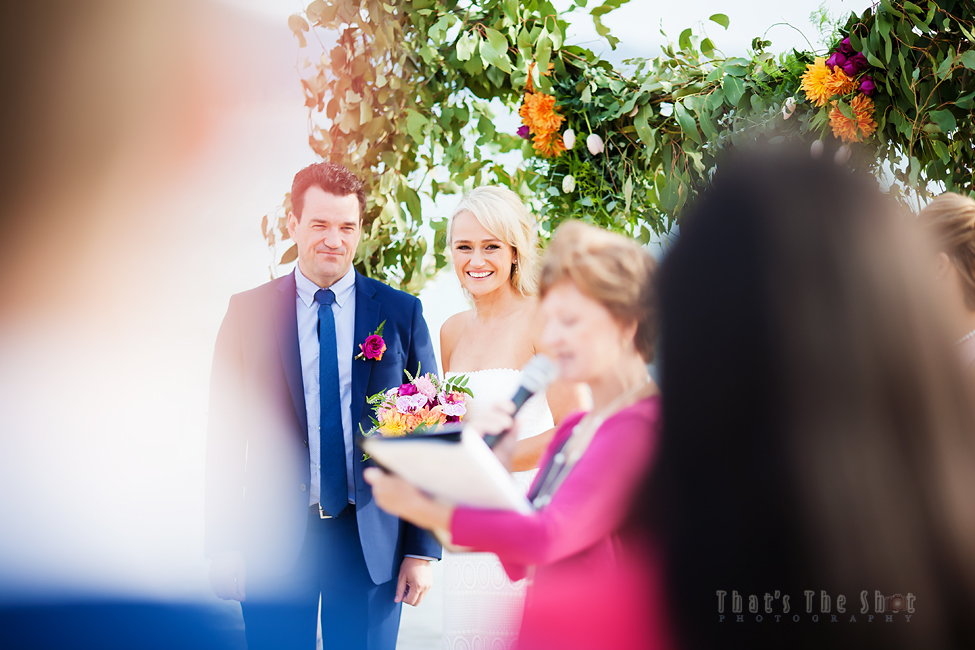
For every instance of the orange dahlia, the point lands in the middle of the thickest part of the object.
(839, 83)
(549, 145)
(814, 82)
(861, 127)
(538, 112)
(539, 115)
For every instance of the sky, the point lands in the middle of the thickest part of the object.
(638, 25)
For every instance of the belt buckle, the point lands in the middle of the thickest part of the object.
(322, 513)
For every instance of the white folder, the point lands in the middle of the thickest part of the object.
(455, 468)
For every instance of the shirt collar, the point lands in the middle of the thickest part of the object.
(342, 288)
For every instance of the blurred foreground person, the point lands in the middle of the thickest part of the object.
(596, 290)
(106, 103)
(951, 221)
(815, 482)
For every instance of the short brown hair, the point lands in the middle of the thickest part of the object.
(612, 270)
(329, 177)
(951, 219)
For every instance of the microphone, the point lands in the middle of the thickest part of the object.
(537, 375)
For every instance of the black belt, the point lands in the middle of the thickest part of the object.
(344, 512)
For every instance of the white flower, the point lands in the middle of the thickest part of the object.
(789, 108)
(569, 184)
(816, 149)
(569, 138)
(842, 155)
(595, 144)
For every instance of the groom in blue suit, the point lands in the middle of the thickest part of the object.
(289, 519)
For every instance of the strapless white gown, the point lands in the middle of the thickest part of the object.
(482, 607)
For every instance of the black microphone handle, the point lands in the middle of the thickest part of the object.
(522, 396)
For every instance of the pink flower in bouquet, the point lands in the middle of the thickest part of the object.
(425, 386)
(454, 398)
(407, 389)
(454, 410)
(374, 347)
(411, 403)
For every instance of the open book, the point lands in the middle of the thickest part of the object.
(454, 466)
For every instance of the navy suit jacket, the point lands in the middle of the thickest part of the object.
(257, 448)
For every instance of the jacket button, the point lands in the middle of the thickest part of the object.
(303, 487)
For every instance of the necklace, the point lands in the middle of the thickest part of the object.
(965, 338)
(600, 416)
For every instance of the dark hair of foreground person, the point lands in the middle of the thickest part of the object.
(817, 437)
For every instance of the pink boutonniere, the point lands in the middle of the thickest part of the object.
(373, 347)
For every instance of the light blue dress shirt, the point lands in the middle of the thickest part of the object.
(343, 309)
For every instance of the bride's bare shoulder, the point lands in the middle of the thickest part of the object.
(454, 325)
(450, 333)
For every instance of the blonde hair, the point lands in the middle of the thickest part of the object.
(951, 220)
(612, 270)
(502, 213)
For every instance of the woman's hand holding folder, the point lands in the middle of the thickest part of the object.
(400, 498)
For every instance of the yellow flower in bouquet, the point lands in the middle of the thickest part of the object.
(861, 127)
(393, 424)
(814, 82)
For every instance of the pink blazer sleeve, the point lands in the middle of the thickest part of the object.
(589, 506)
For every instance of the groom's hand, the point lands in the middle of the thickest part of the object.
(415, 580)
(228, 575)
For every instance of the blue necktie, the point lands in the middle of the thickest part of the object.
(334, 489)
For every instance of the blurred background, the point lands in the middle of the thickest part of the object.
(141, 145)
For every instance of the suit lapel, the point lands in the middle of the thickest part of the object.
(286, 328)
(366, 322)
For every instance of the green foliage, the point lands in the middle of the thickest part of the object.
(924, 61)
(406, 93)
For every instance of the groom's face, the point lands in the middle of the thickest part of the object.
(327, 234)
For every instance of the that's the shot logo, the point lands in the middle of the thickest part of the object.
(776, 607)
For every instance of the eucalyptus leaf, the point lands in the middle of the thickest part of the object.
(721, 19)
(733, 88)
(944, 119)
(687, 122)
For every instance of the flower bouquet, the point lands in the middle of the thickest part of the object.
(841, 86)
(424, 404)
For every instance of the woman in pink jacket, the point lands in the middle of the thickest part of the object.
(587, 590)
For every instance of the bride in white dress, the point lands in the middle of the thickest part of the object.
(495, 254)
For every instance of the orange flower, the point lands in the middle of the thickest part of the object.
(538, 112)
(861, 127)
(549, 145)
(539, 115)
(814, 82)
(839, 83)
